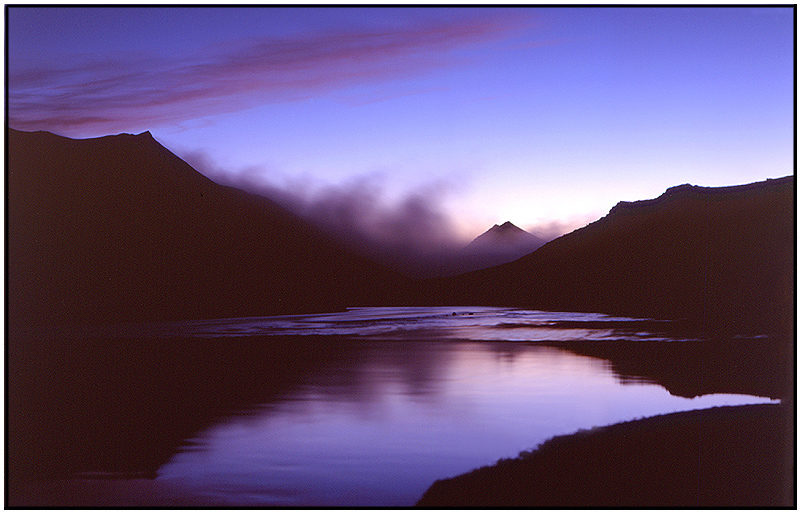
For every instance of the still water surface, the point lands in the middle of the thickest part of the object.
(431, 393)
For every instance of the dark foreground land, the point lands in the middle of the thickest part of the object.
(725, 456)
(122, 407)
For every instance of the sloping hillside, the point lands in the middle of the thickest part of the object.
(119, 228)
(719, 257)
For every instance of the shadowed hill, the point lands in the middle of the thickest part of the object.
(722, 258)
(119, 228)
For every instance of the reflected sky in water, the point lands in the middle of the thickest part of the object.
(380, 428)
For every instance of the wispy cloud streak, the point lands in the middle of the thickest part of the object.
(107, 94)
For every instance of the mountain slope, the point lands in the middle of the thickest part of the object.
(719, 257)
(119, 228)
(498, 245)
(505, 235)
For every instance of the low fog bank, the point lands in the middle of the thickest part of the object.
(413, 234)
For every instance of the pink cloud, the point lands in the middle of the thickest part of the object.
(112, 95)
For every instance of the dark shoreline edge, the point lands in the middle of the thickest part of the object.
(721, 457)
(755, 366)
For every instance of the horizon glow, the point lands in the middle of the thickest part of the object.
(546, 117)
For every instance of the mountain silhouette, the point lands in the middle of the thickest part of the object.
(119, 228)
(719, 258)
(498, 245)
(501, 244)
(506, 234)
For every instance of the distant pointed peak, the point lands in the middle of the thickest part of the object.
(505, 238)
(506, 227)
(504, 230)
(146, 133)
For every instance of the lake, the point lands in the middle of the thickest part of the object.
(412, 395)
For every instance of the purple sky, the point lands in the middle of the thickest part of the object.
(543, 116)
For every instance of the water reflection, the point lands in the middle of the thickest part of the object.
(365, 407)
(381, 431)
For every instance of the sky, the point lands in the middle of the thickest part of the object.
(438, 122)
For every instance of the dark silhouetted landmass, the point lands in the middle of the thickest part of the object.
(124, 406)
(721, 258)
(760, 366)
(119, 228)
(725, 456)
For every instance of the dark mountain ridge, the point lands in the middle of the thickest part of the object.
(119, 228)
(720, 258)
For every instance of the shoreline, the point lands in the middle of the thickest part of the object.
(720, 457)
